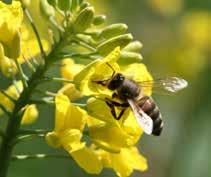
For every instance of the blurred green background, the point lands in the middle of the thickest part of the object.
(177, 42)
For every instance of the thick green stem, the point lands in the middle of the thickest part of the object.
(14, 122)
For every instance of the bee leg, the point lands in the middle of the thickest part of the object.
(113, 111)
(114, 95)
(101, 82)
(117, 104)
(120, 114)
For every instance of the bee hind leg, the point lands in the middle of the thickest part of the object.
(113, 111)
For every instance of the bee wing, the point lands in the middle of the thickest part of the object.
(143, 119)
(164, 85)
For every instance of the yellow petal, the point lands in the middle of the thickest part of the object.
(70, 91)
(62, 105)
(88, 160)
(68, 116)
(30, 48)
(11, 17)
(70, 69)
(30, 115)
(125, 162)
(53, 140)
(100, 110)
(81, 80)
(70, 139)
(110, 138)
(97, 70)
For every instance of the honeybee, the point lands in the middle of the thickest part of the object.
(131, 94)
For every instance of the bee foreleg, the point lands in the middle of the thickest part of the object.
(101, 82)
(117, 104)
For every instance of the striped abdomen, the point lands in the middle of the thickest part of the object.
(148, 105)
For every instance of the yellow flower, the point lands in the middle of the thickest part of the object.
(100, 70)
(69, 68)
(199, 37)
(30, 111)
(108, 133)
(125, 162)
(30, 115)
(167, 7)
(12, 92)
(11, 17)
(69, 125)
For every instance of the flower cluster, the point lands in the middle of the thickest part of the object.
(113, 142)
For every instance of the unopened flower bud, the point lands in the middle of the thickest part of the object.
(129, 57)
(113, 30)
(30, 115)
(99, 19)
(107, 46)
(135, 46)
(84, 19)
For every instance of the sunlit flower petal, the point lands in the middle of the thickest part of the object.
(125, 162)
(97, 70)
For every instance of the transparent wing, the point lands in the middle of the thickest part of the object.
(165, 85)
(143, 119)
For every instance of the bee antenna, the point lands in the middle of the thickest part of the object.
(111, 68)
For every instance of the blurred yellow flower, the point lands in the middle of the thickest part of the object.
(167, 7)
(11, 17)
(195, 29)
(30, 111)
(12, 92)
(69, 126)
(30, 114)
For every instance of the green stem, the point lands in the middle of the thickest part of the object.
(22, 75)
(39, 156)
(27, 137)
(5, 110)
(28, 131)
(2, 134)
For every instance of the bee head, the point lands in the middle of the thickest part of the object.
(116, 81)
